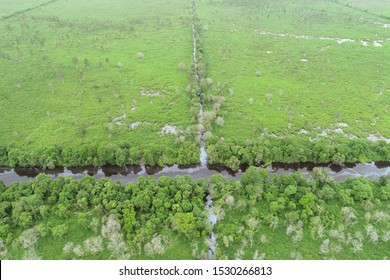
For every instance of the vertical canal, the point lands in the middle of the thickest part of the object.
(203, 154)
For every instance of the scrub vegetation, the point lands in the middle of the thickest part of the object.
(87, 83)
(297, 78)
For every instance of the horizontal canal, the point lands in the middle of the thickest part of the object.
(131, 173)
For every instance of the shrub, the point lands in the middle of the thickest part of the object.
(182, 66)
(93, 245)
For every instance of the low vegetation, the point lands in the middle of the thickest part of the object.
(295, 77)
(82, 82)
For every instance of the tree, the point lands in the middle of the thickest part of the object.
(252, 176)
(308, 202)
(87, 64)
(233, 163)
(75, 62)
(140, 56)
(290, 190)
(362, 190)
(60, 230)
(385, 193)
(220, 121)
(184, 223)
(321, 175)
(182, 66)
(130, 222)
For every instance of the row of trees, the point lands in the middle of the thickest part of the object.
(119, 155)
(295, 149)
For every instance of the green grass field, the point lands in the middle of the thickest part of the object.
(77, 76)
(81, 73)
(377, 7)
(284, 84)
(9, 8)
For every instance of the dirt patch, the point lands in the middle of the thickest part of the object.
(301, 36)
(151, 92)
(169, 129)
(384, 25)
(374, 138)
(134, 125)
(118, 120)
(342, 124)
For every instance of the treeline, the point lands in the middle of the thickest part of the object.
(261, 151)
(119, 155)
(296, 149)
(142, 209)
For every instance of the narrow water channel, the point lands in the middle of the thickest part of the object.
(203, 152)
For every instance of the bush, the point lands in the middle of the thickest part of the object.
(60, 231)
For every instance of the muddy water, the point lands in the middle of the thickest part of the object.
(132, 173)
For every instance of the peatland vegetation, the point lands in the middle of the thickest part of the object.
(295, 81)
(98, 83)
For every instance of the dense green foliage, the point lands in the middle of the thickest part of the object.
(260, 216)
(64, 210)
(120, 155)
(290, 217)
(296, 149)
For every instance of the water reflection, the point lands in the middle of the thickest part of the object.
(131, 173)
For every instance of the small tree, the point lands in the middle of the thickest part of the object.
(182, 66)
(60, 231)
(140, 56)
(86, 63)
(75, 62)
(220, 121)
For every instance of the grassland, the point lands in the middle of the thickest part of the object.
(77, 73)
(297, 70)
(381, 8)
(10, 8)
